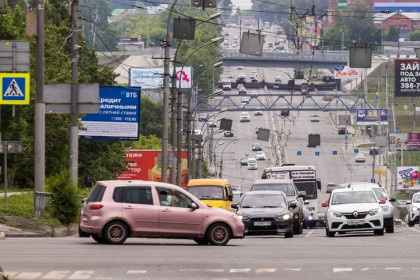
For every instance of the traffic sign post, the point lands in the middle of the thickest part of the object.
(15, 88)
(299, 153)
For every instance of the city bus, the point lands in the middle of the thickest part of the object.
(305, 179)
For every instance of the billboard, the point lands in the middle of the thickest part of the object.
(118, 118)
(152, 78)
(407, 78)
(409, 141)
(143, 165)
(408, 178)
(346, 72)
(372, 116)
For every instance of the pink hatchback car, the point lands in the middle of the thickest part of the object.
(119, 209)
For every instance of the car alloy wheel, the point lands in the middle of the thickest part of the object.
(116, 232)
(218, 234)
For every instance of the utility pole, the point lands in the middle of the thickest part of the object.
(74, 129)
(39, 172)
(414, 114)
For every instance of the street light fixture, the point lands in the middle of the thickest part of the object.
(221, 157)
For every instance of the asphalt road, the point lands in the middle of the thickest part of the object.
(308, 256)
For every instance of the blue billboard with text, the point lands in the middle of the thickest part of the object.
(118, 118)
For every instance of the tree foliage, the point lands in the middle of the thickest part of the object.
(414, 36)
(393, 34)
(20, 126)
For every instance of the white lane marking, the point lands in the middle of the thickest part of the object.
(292, 269)
(239, 270)
(365, 269)
(309, 233)
(342, 269)
(136, 271)
(214, 270)
(54, 274)
(80, 274)
(103, 277)
(28, 275)
(189, 269)
(392, 268)
(416, 230)
(265, 270)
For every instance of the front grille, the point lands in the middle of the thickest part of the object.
(366, 226)
(261, 219)
(335, 224)
(361, 215)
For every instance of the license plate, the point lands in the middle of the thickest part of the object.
(262, 224)
(356, 222)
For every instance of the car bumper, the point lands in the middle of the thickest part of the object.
(274, 228)
(375, 222)
(360, 160)
(92, 226)
(414, 217)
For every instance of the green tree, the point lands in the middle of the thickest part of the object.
(414, 36)
(393, 34)
(151, 117)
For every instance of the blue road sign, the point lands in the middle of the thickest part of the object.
(317, 154)
(346, 137)
(334, 153)
(14, 88)
(372, 180)
(356, 151)
(282, 155)
(299, 153)
(397, 128)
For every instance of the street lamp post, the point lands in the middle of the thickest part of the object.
(221, 157)
(342, 39)
(200, 154)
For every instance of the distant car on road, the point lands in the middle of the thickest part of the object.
(314, 118)
(240, 68)
(252, 163)
(228, 133)
(413, 210)
(360, 157)
(258, 113)
(304, 89)
(203, 117)
(374, 150)
(256, 147)
(253, 93)
(330, 186)
(342, 130)
(260, 155)
(244, 159)
(245, 117)
(212, 124)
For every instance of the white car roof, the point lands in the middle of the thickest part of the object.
(364, 185)
(351, 190)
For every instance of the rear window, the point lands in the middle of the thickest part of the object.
(137, 195)
(97, 194)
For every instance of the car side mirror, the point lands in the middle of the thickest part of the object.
(382, 201)
(318, 182)
(234, 205)
(242, 194)
(301, 194)
(324, 204)
(230, 197)
(84, 200)
(392, 199)
(408, 202)
(194, 206)
(292, 204)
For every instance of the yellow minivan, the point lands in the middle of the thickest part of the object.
(213, 192)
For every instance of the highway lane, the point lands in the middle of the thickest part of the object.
(308, 256)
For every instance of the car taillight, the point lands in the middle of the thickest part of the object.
(95, 206)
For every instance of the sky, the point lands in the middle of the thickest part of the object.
(243, 4)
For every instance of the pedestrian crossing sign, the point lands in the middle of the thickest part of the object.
(15, 88)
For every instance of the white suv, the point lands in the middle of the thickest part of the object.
(387, 207)
(413, 210)
(353, 210)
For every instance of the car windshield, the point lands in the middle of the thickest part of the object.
(286, 188)
(263, 201)
(416, 198)
(353, 197)
(380, 193)
(207, 192)
(309, 187)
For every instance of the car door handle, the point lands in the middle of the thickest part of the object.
(129, 207)
(166, 210)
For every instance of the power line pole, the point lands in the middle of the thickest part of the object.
(74, 129)
(39, 171)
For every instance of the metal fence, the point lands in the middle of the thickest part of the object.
(41, 200)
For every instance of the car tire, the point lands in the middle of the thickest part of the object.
(378, 231)
(98, 239)
(410, 224)
(218, 234)
(288, 234)
(298, 229)
(329, 233)
(115, 232)
(201, 241)
(83, 234)
(390, 228)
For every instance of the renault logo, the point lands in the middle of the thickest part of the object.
(355, 214)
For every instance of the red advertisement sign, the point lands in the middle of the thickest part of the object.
(143, 165)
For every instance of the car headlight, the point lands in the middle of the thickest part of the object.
(386, 208)
(415, 209)
(245, 218)
(237, 217)
(285, 217)
(336, 214)
(374, 211)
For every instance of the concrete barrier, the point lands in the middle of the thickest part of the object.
(2, 236)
